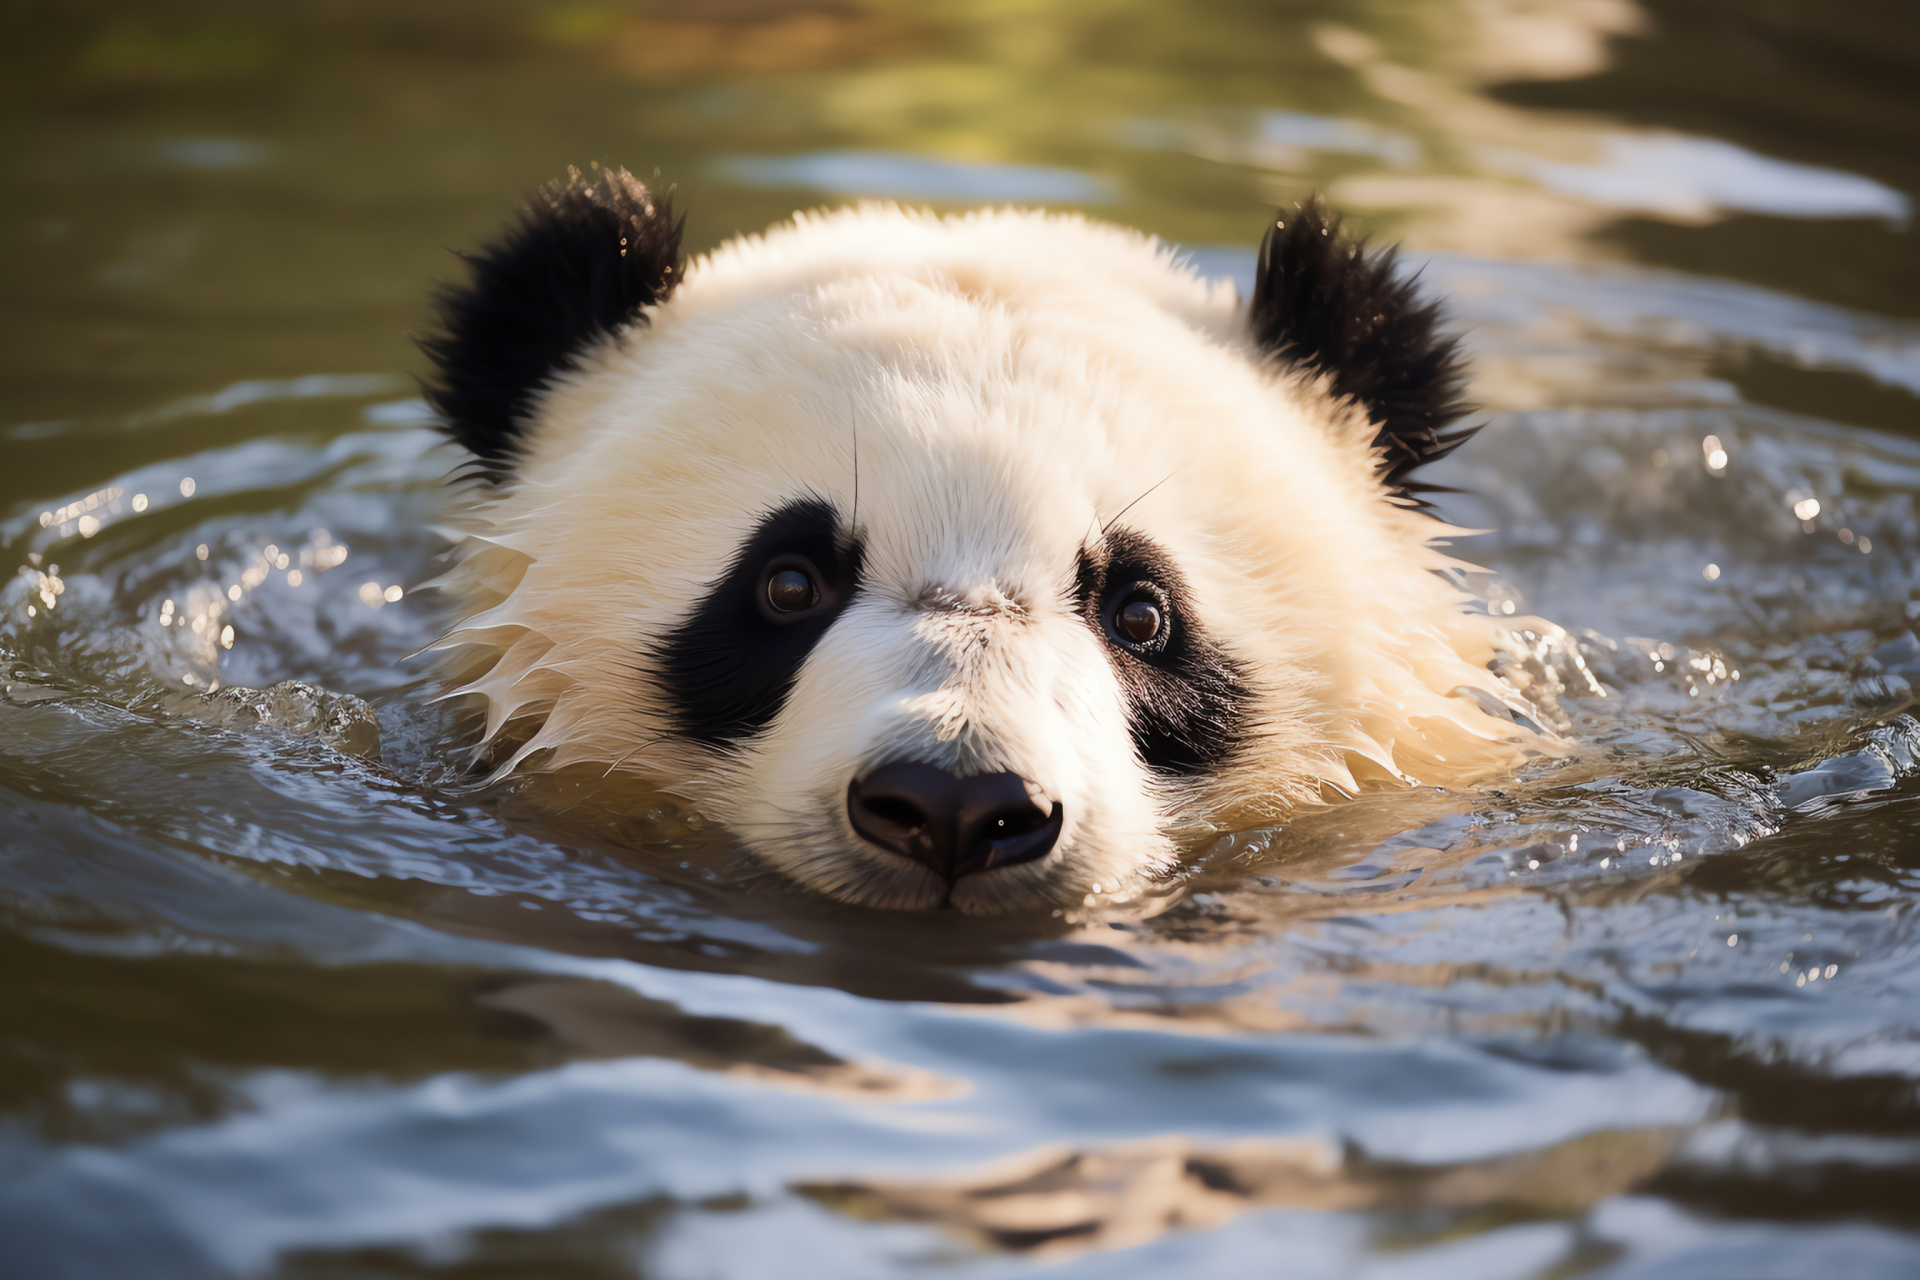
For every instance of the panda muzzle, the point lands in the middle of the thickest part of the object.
(955, 826)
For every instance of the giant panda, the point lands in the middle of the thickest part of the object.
(970, 561)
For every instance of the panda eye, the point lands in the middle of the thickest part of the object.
(790, 588)
(1139, 617)
(1140, 621)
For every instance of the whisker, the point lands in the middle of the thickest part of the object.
(853, 420)
(651, 742)
(1137, 501)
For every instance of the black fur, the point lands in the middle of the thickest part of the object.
(1187, 697)
(584, 258)
(1324, 303)
(727, 669)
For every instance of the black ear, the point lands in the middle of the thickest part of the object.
(584, 258)
(1325, 304)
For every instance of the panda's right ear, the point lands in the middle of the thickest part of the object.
(585, 257)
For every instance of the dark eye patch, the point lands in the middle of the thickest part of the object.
(727, 669)
(1186, 697)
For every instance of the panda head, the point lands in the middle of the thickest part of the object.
(963, 561)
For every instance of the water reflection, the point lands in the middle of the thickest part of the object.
(1054, 1204)
(916, 178)
(290, 996)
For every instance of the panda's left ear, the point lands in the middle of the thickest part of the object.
(1325, 304)
(587, 256)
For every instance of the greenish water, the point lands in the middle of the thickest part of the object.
(279, 998)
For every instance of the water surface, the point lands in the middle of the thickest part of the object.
(282, 997)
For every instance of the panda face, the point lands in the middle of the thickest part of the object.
(919, 632)
(964, 562)
(952, 723)
(965, 690)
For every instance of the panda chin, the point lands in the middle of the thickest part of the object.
(864, 877)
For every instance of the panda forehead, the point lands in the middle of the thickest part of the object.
(937, 498)
(995, 454)
(926, 355)
(947, 493)
(966, 539)
(918, 465)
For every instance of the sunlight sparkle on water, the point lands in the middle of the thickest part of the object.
(82, 509)
(1716, 454)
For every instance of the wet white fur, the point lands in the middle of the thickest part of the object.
(1011, 382)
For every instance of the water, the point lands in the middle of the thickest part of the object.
(283, 998)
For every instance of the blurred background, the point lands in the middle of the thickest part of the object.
(279, 996)
(204, 192)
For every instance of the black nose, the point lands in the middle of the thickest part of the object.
(954, 825)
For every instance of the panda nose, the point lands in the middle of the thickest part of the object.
(956, 826)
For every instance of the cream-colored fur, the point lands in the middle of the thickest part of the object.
(1004, 385)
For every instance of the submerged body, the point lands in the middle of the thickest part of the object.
(958, 560)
